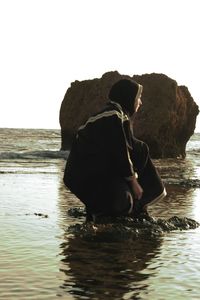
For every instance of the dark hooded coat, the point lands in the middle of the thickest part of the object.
(105, 154)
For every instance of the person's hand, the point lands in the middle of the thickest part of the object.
(137, 189)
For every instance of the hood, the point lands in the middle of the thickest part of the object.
(126, 92)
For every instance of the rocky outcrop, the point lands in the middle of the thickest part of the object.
(168, 117)
(165, 121)
(123, 228)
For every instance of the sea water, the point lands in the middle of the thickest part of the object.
(40, 258)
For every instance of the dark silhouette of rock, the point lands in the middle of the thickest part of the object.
(165, 121)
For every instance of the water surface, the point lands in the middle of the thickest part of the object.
(42, 259)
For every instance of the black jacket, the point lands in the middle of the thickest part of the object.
(102, 147)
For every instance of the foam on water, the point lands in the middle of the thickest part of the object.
(34, 154)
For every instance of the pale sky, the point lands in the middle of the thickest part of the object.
(47, 44)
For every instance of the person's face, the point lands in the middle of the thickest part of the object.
(137, 104)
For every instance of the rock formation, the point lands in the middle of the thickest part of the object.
(165, 121)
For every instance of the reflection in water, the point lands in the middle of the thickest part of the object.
(106, 270)
(103, 270)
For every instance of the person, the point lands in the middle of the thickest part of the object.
(108, 169)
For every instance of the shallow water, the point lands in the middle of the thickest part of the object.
(42, 259)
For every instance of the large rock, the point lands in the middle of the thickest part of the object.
(165, 121)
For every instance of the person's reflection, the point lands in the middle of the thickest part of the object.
(106, 270)
(102, 270)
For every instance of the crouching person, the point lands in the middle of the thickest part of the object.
(108, 169)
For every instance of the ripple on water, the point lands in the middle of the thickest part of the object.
(41, 259)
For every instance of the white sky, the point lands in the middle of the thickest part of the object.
(47, 44)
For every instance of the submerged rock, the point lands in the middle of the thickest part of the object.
(119, 228)
(41, 215)
(165, 121)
